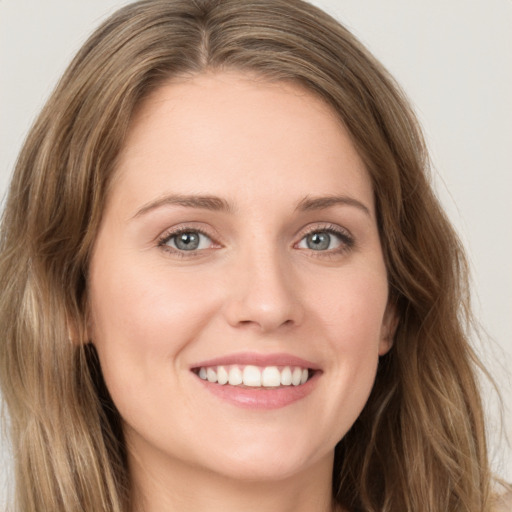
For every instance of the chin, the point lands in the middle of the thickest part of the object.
(267, 461)
(270, 470)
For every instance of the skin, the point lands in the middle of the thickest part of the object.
(254, 285)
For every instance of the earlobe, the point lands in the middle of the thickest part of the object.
(73, 334)
(388, 329)
(78, 331)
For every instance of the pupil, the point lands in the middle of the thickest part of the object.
(318, 241)
(187, 241)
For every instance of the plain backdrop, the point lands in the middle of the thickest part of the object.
(454, 60)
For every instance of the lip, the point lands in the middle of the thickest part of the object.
(259, 398)
(252, 358)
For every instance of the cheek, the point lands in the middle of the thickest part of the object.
(352, 310)
(133, 297)
(352, 317)
(143, 319)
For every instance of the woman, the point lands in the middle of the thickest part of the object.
(219, 284)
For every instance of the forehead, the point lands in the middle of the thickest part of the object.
(232, 134)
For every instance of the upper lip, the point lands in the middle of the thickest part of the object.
(255, 359)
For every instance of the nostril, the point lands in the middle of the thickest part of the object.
(265, 324)
(262, 311)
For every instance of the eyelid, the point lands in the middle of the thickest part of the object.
(345, 236)
(174, 231)
(347, 239)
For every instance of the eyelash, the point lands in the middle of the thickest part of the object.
(346, 240)
(169, 235)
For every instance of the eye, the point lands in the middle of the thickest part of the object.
(189, 240)
(329, 239)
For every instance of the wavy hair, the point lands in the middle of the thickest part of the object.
(419, 444)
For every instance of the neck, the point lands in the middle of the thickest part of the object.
(169, 486)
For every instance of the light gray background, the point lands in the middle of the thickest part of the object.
(454, 60)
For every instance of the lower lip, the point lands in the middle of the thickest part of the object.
(261, 398)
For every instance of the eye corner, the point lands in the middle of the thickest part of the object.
(328, 233)
(195, 241)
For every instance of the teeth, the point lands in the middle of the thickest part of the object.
(296, 376)
(235, 376)
(286, 376)
(254, 376)
(270, 377)
(222, 375)
(211, 375)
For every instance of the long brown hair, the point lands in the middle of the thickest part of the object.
(419, 444)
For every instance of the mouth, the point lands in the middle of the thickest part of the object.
(255, 377)
(258, 381)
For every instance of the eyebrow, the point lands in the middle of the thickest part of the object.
(321, 203)
(214, 203)
(211, 203)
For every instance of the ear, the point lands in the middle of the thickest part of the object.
(388, 328)
(78, 330)
(73, 336)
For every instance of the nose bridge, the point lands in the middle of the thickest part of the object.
(263, 288)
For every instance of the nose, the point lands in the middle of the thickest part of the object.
(263, 293)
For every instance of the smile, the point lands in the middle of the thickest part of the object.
(254, 376)
(258, 381)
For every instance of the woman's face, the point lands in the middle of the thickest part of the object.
(238, 256)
